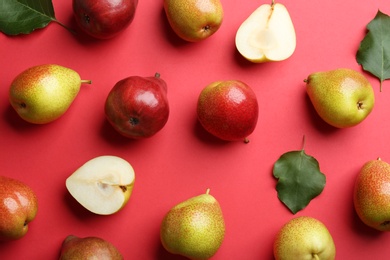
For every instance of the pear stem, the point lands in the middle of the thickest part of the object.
(157, 75)
(273, 2)
(66, 27)
(246, 140)
(208, 191)
(86, 81)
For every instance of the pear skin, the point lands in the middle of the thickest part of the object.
(371, 194)
(194, 228)
(304, 238)
(43, 93)
(342, 97)
(194, 20)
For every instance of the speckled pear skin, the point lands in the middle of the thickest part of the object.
(194, 20)
(371, 194)
(75, 248)
(341, 97)
(304, 238)
(194, 228)
(43, 93)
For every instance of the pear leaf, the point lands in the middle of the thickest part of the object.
(299, 179)
(374, 50)
(24, 16)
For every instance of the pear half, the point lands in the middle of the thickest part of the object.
(268, 34)
(102, 185)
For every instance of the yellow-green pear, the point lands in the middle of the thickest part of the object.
(342, 97)
(194, 228)
(43, 93)
(194, 20)
(304, 238)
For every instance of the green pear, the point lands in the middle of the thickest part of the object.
(194, 228)
(371, 194)
(341, 97)
(74, 247)
(194, 20)
(43, 93)
(304, 238)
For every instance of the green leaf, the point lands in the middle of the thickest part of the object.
(24, 16)
(374, 50)
(299, 179)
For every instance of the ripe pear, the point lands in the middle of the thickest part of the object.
(194, 228)
(18, 207)
(228, 110)
(371, 194)
(342, 97)
(304, 238)
(74, 247)
(194, 20)
(43, 93)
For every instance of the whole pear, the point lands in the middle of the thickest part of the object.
(304, 238)
(18, 207)
(228, 110)
(43, 93)
(137, 107)
(194, 20)
(88, 248)
(371, 194)
(194, 228)
(104, 19)
(342, 97)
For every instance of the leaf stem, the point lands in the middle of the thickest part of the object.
(64, 26)
(303, 142)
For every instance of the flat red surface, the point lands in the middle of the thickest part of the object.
(182, 160)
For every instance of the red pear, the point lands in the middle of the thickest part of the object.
(88, 248)
(18, 207)
(104, 19)
(137, 107)
(228, 110)
(372, 194)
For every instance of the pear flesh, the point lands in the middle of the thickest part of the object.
(268, 34)
(342, 97)
(194, 228)
(43, 93)
(102, 185)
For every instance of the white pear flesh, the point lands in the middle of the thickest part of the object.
(102, 185)
(268, 34)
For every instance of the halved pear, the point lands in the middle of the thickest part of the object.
(268, 34)
(102, 185)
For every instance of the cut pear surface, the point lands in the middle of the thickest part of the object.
(268, 34)
(102, 185)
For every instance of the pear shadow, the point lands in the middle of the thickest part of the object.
(110, 135)
(17, 123)
(76, 208)
(316, 120)
(163, 254)
(169, 33)
(210, 139)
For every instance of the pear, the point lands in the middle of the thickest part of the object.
(304, 238)
(43, 93)
(74, 247)
(194, 20)
(103, 185)
(194, 228)
(371, 194)
(342, 97)
(268, 34)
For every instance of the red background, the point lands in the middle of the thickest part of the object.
(182, 160)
